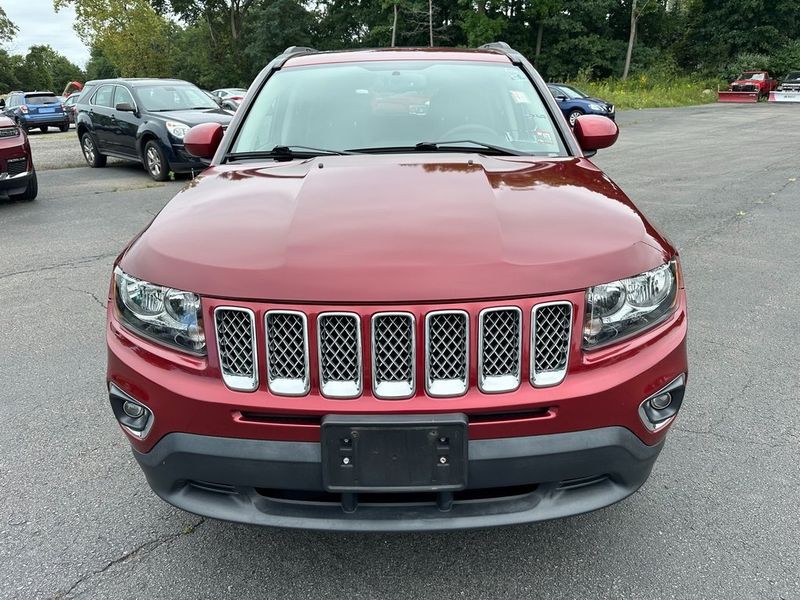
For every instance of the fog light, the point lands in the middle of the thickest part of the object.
(133, 410)
(661, 401)
(134, 416)
(660, 409)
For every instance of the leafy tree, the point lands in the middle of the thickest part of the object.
(130, 33)
(7, 28)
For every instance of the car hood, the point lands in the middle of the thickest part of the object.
(196, 117)
(394, 229)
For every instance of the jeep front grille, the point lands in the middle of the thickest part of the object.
(287, 352)
(339, 358)
(551, 327)
(499, 349)
(339, 339)
(447, 353)
(393, 355)
(236, 342)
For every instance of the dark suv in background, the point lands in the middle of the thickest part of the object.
(35, 109)
(143, 120)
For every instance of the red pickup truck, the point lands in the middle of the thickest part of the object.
(750, 86)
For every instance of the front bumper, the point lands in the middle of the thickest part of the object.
(510, 480)
(14, 184)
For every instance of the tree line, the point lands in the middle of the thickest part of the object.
(226, 42)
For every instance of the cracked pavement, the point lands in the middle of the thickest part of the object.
(716, 519)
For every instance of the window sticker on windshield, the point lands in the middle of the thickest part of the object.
(543, 137)
(519, 97)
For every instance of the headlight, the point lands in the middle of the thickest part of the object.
(621, 308)
(164, 315)
(177, 129)
(597, 107)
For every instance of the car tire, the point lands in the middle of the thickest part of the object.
(64, 127)
(155, 162)
(30, 192)
(573, 116)
(93, 157)
(21, 126)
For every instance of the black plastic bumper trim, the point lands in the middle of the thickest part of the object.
(613, 456)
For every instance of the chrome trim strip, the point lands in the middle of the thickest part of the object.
(288, 387)
(549, 378)
(239, 383)
(679, 381)
(506, 383)
(341, 390)
(394, 390)
(445, 388)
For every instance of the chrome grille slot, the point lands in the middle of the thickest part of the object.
(447, 353)
(393, 355)
(499, 349)
(339, 339)
(550, 340)
(236, 344)
(287, 352)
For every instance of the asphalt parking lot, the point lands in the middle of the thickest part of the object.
(717, 519)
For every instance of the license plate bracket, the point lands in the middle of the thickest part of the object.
(394, 453)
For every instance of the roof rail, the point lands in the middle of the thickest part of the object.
(504, 48)
(292, 50)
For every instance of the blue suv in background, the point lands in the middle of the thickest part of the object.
(574, 103)
(36, 109)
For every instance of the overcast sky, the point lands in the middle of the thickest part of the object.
(38, 23)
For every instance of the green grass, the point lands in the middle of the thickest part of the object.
(643, 92)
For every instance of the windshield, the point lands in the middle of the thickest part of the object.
(398, 104)
(753, 76)
(173, 97)
(572, 93)
(794, 75)
(41, 99)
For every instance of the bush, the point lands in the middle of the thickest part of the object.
(647, 90)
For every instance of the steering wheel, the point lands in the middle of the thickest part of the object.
(462, 131)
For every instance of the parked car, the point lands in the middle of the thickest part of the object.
(230, 98)
(35, 109)
(367, 318)
(17, 174)
(70, 105)
(574, 103)
(144, 120)
(749, 87)
(790, 83)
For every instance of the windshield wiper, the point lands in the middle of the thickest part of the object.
(287, 153)
(449, 146)
(435, 146)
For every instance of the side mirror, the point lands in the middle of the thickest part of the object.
(2, 103)
(124, 107)
(203, 140)
(594, 132)
(561, 98)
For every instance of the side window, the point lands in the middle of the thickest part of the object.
(12, 101)
(123, 96)
(104, 96)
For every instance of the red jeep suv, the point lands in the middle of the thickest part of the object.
(401, 297)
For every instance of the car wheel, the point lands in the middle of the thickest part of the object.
(64, 127)
(90, 153)
(43, 128)
(155, 162)
(21, 126)
(573, 116)
(30, 192)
